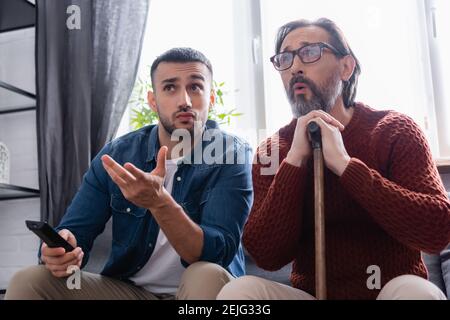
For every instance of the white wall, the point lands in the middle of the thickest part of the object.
(18, 246)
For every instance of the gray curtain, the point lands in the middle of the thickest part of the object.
(84, 79)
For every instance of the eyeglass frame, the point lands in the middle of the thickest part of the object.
(296, 52)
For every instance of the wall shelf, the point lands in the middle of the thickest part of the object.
(16, 15)
(9, 192)
(12, 88)
(16, 110)
(28, 106)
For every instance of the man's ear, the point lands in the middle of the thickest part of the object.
(152, 101)
(349, 64)
(212, 99)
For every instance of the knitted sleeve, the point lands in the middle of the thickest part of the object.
(272, 232)
(410, 203)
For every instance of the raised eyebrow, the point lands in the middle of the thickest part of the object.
(198, 77)
(170, 80)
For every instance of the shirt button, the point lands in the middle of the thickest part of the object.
(128, 210)
(178, 178)
(150, 245)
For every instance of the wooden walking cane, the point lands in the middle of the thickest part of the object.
(319, 212)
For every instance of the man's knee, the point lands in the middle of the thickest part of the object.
(410, 287)
(26, 283)
(242, 288)
(202, 280)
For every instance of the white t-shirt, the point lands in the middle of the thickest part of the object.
(162, 272)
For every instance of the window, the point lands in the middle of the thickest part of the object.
(390, 38)
(402, 46)
(392, 68)
(205, 25)
(439, 44)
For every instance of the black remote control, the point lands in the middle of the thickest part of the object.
(48, 235)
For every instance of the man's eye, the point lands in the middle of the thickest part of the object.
(311, 51)
(169, 87)
(196, 87)
(284, 58)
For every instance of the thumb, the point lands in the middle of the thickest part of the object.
(160, 169)
(68, 236)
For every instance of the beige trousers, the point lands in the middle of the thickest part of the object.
(200, 281)
(406, 287)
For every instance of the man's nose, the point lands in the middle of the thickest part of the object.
(298, 66)
(184, 100)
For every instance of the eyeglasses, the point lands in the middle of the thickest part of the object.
(307, 54)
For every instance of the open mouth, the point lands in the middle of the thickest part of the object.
(300, 88)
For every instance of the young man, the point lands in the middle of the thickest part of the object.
(173, 204)
(384, 200)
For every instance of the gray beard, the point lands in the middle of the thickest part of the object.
(323, 97)
(302, 107)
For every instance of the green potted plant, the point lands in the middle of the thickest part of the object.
(142, 115)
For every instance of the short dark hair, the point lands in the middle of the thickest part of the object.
(337, 40)
(180, 55)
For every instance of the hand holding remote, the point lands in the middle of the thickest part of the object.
(57, 260)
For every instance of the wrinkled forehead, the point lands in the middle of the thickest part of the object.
(303, 36)
(182, 71)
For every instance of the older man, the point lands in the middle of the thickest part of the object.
(384, 200)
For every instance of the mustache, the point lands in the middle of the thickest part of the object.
(304, 80)
(184, 109)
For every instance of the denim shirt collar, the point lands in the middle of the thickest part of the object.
(154, 145)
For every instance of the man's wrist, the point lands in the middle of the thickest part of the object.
(294, 159)
(342, 165)
(164, 203)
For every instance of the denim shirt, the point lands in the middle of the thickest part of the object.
(217, 196)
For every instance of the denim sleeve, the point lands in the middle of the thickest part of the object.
(225, 212)
(89, 211)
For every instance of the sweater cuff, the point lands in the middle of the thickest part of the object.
(356, 175)
(289, 174)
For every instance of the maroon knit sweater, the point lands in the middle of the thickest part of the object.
(388, 205)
